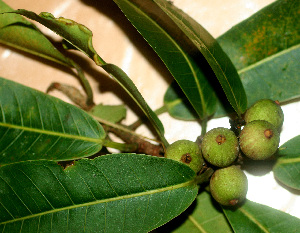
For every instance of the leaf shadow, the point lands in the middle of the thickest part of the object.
(258, 167)
(183, 217)
(177, 221)
(291, 190)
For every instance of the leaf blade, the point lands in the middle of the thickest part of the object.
(111, 113)
(202, 216)
(19, 33)
(31, 131)
(254, 217)
(268, 68)
(182, 65)
(213, 53)
(266, 60)
(287, 166)
(95, 184)
(81, 38)
(32, 40)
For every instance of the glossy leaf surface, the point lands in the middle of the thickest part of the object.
(35, 126)
(202, 216)
(147, 17)
(213, 53)
(253, 217)
(287, 167)
(112, 193)
(81, 38)
(265, 50)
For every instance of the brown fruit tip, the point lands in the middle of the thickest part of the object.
(186, 158)
(220, 139)
(233, 202)
(268, 133)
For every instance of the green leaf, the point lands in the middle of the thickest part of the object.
(202, 216)
(111, 113)
(287, 167)
(81, 38)
(35, 126)
(213, 53)
(128, 85)
(253, 217)
(19, 33)
(76, 34)
(265, 50)
(267, 62)
(112, 193)
(147, 17)
(178, 105)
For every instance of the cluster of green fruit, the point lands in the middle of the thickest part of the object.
(220, 147)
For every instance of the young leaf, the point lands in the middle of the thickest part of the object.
(202, 216)
(146, 16)
(112, 193)
(287, 167)
(253, 217)
(19, 33)
(111, 113)
(81, 38)
(265, 50)
(36, 126)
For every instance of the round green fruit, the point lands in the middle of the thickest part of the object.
(259, 140)
(220, 147)
(187, 152)
(267, 110)
(229, 185)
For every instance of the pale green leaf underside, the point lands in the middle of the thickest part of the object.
(34, 125)
(112, 193)
(253, 217)
(111, 113)
(287, 167)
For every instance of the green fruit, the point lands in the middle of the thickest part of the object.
(220, 147)
(229, 185)
(259, 140)
(187, 152)
(267, 110)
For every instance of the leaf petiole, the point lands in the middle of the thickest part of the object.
(124, 147)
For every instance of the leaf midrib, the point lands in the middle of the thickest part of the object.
(53, 133)
(252, 218)
(183, 54)
(243, 70)
(149, 192)
(287, 160)
(211, 55)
